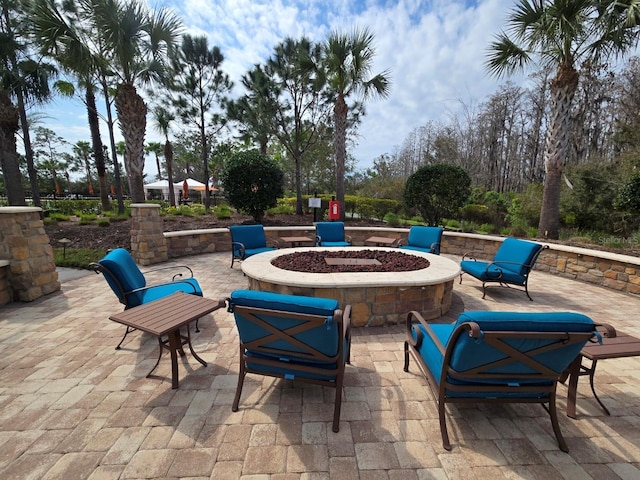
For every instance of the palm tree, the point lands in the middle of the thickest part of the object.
(561, 35)
(141, 42)
(157, 149)
(162, 119)
(348, 63)
(26, 81)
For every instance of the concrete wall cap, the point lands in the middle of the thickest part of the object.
(19, 209)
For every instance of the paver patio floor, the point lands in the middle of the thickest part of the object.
(73, 407)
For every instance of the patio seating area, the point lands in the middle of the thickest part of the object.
(73, 407)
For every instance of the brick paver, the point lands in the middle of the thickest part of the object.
(73, 407)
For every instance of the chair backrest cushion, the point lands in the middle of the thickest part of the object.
(470, 352)
(517, 255)
(251, 236)
(121, 265)
(425, 237)
(324, 337)
(330, 231)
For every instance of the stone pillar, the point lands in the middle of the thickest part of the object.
(148, 245)
(25, 244)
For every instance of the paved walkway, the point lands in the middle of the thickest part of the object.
(73, 407)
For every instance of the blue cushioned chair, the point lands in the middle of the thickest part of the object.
(511, 265)
(500, 357)
(299, 338)
(423, 239)
(331, 234)
(247, 240)
(130, 286)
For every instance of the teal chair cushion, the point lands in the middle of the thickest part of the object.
(424, 239)
(324, 338)
(469, 353)
(121, 265)
(252, 237)
(520, 252)
(331, 234)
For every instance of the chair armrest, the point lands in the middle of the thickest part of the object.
(605, 330)
(401, 242)
(347, 238)
(275, 243)
(468, 256)
(170, 268)
(318, 240)
(413, 315)
(148, 287)
(435, 247)
(240, 246)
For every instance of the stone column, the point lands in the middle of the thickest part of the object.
(148, 245)
(25, 244)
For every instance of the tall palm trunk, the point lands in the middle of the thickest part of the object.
(563, 88)
(112, 142)
(168, 160)
(96, 143)
(340, 120)
(28, 151)
(132, 114)
(9, 125)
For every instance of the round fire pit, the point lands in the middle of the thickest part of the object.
(376, 297)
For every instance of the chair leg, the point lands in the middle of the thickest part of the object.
(556, 426)
(446, 444)
(241, 375)
(406, 356)
(526, 290)
(126, 332)
(337, 406)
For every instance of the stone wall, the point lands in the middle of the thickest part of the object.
(31, 272)
(148, 243)
(610, 270)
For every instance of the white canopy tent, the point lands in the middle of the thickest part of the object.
(178, 188)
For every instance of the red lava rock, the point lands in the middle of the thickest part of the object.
(314, 261)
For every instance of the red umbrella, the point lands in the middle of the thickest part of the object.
(185, 190)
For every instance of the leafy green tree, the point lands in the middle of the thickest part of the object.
(252, 182)
(348, 61)
(437, 191)
(628, 198)
(200, 84)
(255, 111)
(300, 109)
(47, 151)
(562, 35)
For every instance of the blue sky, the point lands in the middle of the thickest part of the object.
(433, 49)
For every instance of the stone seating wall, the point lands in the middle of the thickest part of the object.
(610, 270)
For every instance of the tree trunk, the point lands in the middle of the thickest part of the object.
(563, 88)
(96, 144)
(28, 151)
(9, 162)
(168, 159)
(340, 120)
(298, 181)
(132, 114)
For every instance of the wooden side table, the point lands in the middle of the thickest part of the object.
(619, 346)
(164, 318)
(381, 241)
(297, 241)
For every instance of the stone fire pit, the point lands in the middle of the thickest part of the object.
(377, 298)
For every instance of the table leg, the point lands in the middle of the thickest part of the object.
(195, 355)
(175, 345)
(592, 373)
(572, 390)
(161, 345)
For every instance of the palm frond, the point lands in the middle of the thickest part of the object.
(505, 56)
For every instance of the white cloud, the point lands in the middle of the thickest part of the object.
(434, 51)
